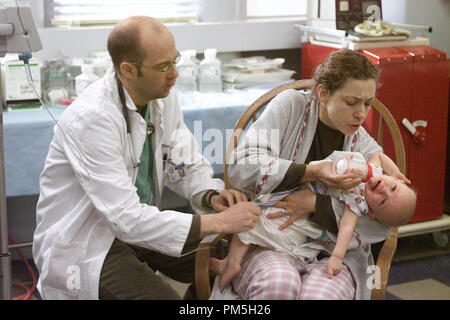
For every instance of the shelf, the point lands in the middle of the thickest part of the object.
(417, 228)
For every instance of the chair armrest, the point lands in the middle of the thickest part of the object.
(202, 274)
(384, 264)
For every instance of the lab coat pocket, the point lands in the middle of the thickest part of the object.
(65, 268)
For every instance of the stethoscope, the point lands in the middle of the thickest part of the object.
(150, 130)
(150, 126)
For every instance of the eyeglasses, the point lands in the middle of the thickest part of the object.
(162, 67)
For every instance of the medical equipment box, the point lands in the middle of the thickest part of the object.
(15, 86)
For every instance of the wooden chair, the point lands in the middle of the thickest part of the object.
(219, 242)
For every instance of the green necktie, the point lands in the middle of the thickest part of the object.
(144, 176)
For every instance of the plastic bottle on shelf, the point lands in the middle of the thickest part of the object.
(55, 81)
(74, 70)
(210, 72)
(192, 53)
(353, 162)
(101, 66)
(86, 78)
(187, 72)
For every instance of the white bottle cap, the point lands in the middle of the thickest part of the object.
(210, 54)
(191, 53)
(184, 58)
(87, 68)
(77, 61)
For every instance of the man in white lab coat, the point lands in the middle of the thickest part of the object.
(99, 231)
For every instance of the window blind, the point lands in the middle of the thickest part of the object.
(94, 12)
(270, 8)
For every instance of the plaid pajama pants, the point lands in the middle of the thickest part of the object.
(271, 275)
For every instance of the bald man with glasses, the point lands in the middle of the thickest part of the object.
(100, 233)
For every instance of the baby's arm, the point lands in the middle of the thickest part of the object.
(346, 227)
(389, 166)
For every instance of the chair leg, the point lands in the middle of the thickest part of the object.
(191, 293)
(202, 278)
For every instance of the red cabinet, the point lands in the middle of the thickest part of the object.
(414, 85)
(429, 110)
(394, 91)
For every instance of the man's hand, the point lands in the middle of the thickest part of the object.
(238, 218)
(298, 205)
(226, 198)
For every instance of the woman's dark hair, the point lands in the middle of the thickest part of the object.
(341, 66)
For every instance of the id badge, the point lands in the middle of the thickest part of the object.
(176, 172)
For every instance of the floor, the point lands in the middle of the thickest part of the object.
(418, 271)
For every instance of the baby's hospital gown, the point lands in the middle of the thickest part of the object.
(301, 239)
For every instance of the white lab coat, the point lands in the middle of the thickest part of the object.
(87, 193)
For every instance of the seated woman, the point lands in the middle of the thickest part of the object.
(384, 198)
(295, 129)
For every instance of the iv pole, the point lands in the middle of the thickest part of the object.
(17, 34)
(5, 256)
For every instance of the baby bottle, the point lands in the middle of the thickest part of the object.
(352, 162)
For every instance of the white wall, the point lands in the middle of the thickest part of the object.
(221, 27)
(232, 33)
(434, 13)
(229, 36)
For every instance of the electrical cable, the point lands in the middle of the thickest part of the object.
(28, 291)
(21, 22)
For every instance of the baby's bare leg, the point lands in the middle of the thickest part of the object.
(217, 265)
(237, 252)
